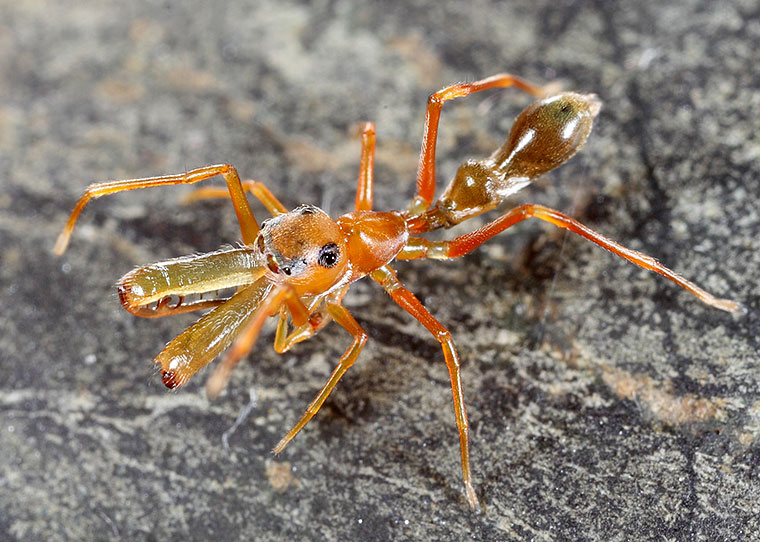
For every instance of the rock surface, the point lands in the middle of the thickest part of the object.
(605, 403)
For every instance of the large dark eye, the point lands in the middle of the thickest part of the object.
(328, 255)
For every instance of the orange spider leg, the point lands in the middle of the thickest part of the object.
(341, 315)
(426, 168)
(283, 294)
(364, 189)
(257, 188)
(284, 341)
(422, 248)
(248, 225)
(387, 278)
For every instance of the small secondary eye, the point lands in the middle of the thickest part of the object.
(328, 255)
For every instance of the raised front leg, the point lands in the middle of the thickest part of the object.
(386, 277)
(248, 225)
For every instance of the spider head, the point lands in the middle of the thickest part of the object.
(304, 248)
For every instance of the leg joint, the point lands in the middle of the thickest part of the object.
(443, 336)
(436, 100)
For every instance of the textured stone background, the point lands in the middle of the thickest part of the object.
(606, 403)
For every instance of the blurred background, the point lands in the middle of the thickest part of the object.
(605, 402)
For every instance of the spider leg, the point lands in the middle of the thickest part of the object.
(418, 247)
(426, 168)
(284, 341)
(341, 315)
(364, 190)
(248, 225)
(315, 320)
(257, 188)
(387, 278)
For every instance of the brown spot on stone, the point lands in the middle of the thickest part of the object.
(660, 401)
(280, 475)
